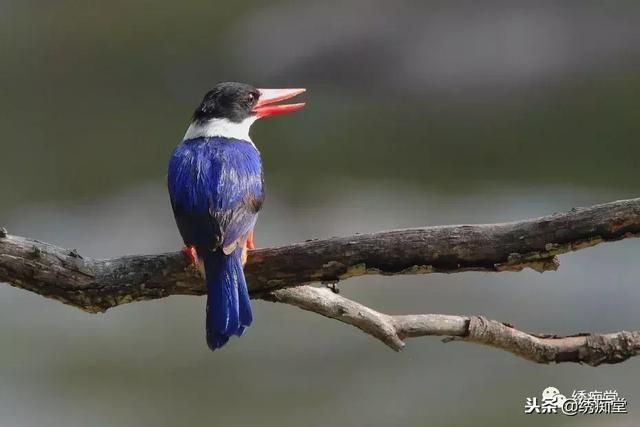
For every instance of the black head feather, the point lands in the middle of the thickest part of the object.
(228, 100)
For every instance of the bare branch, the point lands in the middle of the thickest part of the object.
(592, 349)
(97, 285)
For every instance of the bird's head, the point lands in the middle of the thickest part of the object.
(229, 109)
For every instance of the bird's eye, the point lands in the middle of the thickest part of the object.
(251, 98)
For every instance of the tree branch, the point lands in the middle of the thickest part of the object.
(592, 349)
(97, 285)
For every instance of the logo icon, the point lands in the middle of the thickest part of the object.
(579, 402)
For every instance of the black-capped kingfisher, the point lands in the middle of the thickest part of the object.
(216, 188)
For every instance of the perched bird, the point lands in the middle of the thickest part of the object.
(216, 188)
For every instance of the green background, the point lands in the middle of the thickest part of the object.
(418, 113)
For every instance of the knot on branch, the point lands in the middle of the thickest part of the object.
(610, 348)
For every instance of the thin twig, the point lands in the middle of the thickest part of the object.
(590, 348)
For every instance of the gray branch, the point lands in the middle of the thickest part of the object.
(96, 285)
(590, 348)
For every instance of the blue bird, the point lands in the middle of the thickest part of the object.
(216, 189)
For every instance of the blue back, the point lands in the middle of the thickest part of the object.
(216, 190)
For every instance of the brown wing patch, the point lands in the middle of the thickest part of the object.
(253, 204)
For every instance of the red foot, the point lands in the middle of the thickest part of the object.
(190, 253)
(250, 244)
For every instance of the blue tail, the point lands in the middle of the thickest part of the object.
(228, 306)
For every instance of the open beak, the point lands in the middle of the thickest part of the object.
(268, 97)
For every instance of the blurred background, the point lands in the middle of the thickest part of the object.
(418, 113)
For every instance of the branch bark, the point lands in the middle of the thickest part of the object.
(590, 348)
(97, 285)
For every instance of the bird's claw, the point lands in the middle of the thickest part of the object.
(250, 244)
(192, 256)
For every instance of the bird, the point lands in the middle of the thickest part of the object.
(216, 188)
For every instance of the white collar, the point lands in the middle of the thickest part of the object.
(221, 127)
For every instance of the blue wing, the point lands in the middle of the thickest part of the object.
(216, 191)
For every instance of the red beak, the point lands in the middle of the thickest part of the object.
(264, 107)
